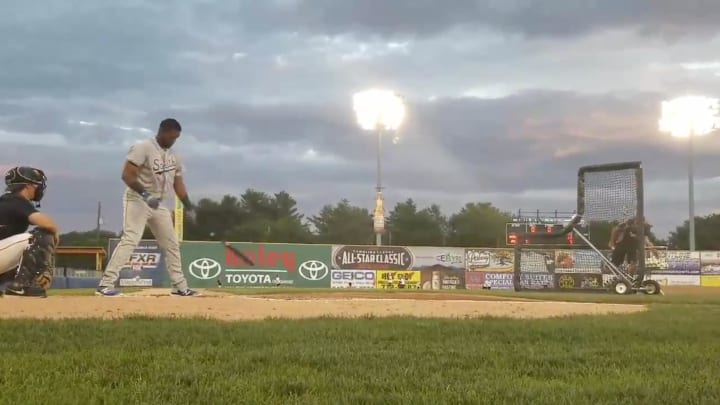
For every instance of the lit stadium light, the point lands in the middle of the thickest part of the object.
(688, 117)
(379, 110)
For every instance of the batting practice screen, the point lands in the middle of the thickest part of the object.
(608, 193)
(611, 192)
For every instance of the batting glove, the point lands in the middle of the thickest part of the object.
(152, 202)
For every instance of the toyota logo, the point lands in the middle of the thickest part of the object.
(313, 270)
(205, 269)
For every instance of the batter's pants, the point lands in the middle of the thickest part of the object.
(136, 215)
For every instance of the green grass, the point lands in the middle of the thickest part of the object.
(710, 296)
(668, 355)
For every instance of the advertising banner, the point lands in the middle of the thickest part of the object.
(145, 268)
(710, 281)
(577, 261)
(474, 280)
(679, 262)
(353, 278)
(490, 260)
(675, 279)
(359, 257)
(710, 262)
(442, 279)
(391, 279)
(576, 281)
(537, 281)
(498, 281)
(211, 264)
(438, 258)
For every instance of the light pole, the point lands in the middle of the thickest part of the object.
(688, 117)
(379, 111)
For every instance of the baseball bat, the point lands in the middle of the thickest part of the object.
(238, 252)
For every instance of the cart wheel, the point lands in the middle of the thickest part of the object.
(650, 287)
(621, 287)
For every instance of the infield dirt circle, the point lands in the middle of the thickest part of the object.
(231, 307)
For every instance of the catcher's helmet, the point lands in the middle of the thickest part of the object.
(23, 175)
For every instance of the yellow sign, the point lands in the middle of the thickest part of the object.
(179, 219)
(710, 281)
(566, 281)
(392, 278)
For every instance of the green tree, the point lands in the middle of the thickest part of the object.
(271, 219)
(87, 238)
(478, 225)
(254, 217)
(215, 220)
(707, 234)
(412, 227)
(343, 224)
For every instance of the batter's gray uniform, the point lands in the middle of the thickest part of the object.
(157, 171)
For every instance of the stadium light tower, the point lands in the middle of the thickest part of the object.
(379, 111)
(688, 117)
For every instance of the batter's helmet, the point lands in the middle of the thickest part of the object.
(23, 175)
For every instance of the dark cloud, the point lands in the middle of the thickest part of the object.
(512, 151)
(410, 18)
(263, 90)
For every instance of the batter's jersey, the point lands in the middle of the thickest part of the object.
(157, 168)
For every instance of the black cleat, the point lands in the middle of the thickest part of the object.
(25, 291)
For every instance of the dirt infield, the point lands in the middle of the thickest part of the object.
(230, 307)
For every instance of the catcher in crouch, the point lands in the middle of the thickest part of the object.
(26, 258)
(624, 244)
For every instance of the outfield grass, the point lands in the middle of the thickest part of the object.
(709, 296)
(668, 355)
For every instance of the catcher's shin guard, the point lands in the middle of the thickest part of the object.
(38, 261)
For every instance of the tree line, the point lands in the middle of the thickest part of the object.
(257, 216)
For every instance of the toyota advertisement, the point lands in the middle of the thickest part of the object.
(212, 265)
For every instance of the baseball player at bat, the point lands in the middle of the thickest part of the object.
(152, 172)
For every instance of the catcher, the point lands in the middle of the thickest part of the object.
(26, 258)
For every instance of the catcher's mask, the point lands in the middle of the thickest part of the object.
(17, 177)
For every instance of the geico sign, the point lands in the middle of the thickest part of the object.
(353, 275)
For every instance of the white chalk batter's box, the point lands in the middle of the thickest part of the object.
(353, 278)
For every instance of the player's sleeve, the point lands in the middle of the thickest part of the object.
(137, 154)
(25, 209)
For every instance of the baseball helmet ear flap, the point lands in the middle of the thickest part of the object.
(23, 175)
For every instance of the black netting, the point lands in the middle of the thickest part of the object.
(610, 195)
(578, 261)
(537, 261)
(537, 268)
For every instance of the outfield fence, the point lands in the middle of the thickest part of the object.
(212, 265)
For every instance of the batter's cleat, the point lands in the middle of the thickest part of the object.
(19, 291)
(185, 293)
(107, 292)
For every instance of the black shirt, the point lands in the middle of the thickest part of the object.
(14, 213)
(629, 235)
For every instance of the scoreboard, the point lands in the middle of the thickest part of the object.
(532, 231)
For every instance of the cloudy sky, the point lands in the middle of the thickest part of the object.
(506, 98)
